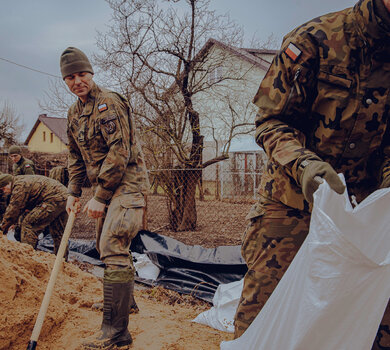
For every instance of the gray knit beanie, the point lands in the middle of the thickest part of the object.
(74, 61)
(14, 149)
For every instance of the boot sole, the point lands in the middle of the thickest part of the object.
(122, 345)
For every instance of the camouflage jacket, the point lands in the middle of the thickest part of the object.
(29, 191)
(60, 173)
(326, 96)
(102, 146)
(23, 167)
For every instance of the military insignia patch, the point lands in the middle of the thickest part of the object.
(109, 124)
(293, 52)
(27, 166)
(102, 107)
(110, 127)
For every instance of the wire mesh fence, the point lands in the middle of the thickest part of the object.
(202, 202)
(212, 200)
(237, 185)
(43, 162)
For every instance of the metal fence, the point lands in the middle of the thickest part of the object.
(224, 185)
(224, 192)
(221, 204)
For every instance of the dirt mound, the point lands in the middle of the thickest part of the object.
(164, 321)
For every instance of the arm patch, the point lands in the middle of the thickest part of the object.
(293, 52)
(109, 124)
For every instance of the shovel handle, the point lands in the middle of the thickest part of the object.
(50, 286)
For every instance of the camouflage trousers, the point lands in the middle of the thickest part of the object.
(47, 214)
(115, 231)
(271, 240)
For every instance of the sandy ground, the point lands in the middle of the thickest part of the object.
(24, 275)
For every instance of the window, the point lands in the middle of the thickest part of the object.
(51, 137)
(215, 75)
(44, 136)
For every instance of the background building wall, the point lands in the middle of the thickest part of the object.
(44, 140)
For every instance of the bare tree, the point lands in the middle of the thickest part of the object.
(10, 126)
(57, 99)
(272, 42)
(223, 128)
(153, 53)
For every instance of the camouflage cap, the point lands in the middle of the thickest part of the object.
(14, 149)
(5, 179)
(74, 61)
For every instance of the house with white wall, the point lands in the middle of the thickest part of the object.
(226, 110)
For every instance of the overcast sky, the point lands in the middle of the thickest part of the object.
(33, 33)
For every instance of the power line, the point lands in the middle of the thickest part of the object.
(35, 70)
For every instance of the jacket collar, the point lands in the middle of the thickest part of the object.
(371, 27)
(87, 107)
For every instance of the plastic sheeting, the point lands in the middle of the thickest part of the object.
(144, 267)
(188, 269)
(225, 302)
(184, 268)
(334, 293)
(82, 251)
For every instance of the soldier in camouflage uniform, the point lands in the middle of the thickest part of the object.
(44, 198)
(60, 173)
(21, 166)
(3, 202)
(102, 146)
(323, 109)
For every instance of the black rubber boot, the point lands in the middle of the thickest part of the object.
(114, 332)
(133, 307)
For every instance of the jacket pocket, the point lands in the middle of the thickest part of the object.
(333, 93)
(336, 80)
(132, 200)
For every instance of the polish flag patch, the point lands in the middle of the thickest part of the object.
(102, 107)
(293, 52)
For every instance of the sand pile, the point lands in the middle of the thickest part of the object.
(24, 274)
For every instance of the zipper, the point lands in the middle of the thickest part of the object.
(295, 87)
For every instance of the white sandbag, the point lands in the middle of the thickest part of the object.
(225, 302)
(144, 267)
(11, 235)
(334, 293)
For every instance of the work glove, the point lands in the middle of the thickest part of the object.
(312, 175)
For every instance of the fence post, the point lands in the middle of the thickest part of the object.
(254, 185)
(221, 180)
(145, 215)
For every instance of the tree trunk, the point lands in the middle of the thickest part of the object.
(183, 214)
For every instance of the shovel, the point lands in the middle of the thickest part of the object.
(50, 286)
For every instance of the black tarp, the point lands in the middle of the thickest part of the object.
(184, 268)
(82, 251)
(190, 269)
